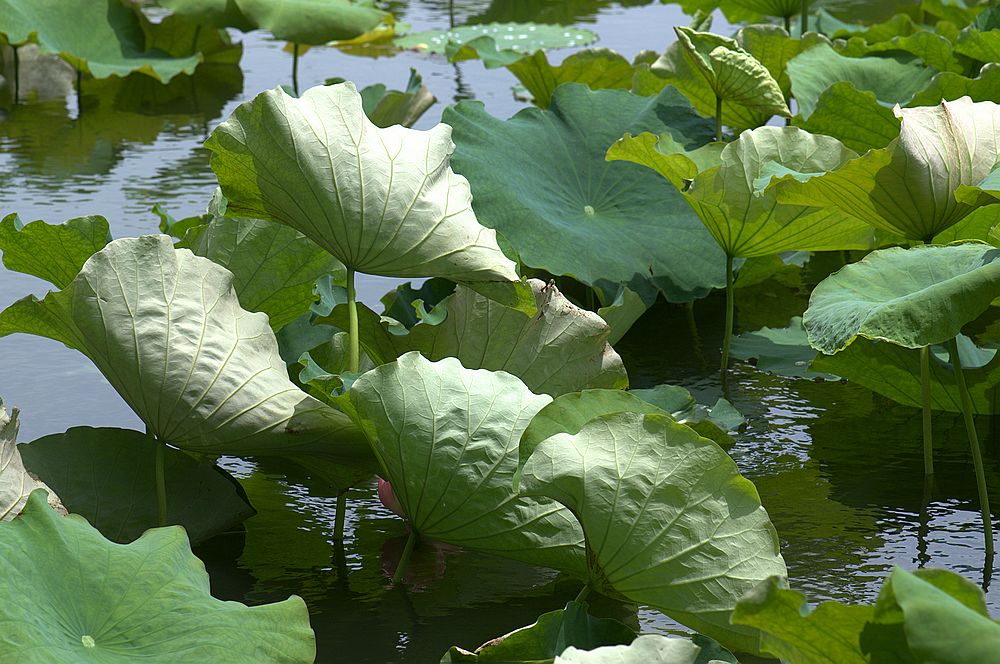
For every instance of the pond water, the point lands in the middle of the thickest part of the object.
(839, 469)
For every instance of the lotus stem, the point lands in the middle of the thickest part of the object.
(718, 118)
(79, 93)
(338, 527)
(788, 24)
(404, 560)
(17, 75)
(295, 68)
(977, 457)
(728, 332)
(925, 391)
(451, 13)
(161, 485)
(354, 358)
(804, 27)
(584, 592)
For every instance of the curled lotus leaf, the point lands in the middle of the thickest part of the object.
(16, 483)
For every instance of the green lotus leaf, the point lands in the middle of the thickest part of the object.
(16, 482)
(715, 422)
(54, 252)
(781, 351)
(781, 8)
(732, 72)
(819, 67)
(828, 634)
(623, 310)
(397, 107)
(102, 37)
(949, 86)
(547, 637)
(446, 439)
(920, 184)
(562, 348)
(676, 527)
(402, 304)
(274, 267)
(541, 180)
(180, 36)
(165, 328)
(650, 649)
(597, 68)
(383, 201)
(667, 157)
(312, 21)
(218, 13)
(107, 476)
(95, 601)
(520, 38)
(910, 297)
(855, 117)
(981, 39)
(934, 50)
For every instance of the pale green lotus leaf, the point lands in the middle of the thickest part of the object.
(108, 476)
(397, 107)
(95, 601)
(981, 39)
(819, 67)
(522, 38)
(623, 310)
(645, 649)
(732, 72)
(933, 49)
(166, 329)
(16, 482)
(949, 86)
(312, 21)
(598, 69)
(561, 349)
(910, 297)
(218, 13)
(713, 422)
(855, 117)
(447, 440)
(780, 351)
(922, 182)
(781, 8)
(541, 180)
(54, 252)
(666, 156)
(102, 37)
(669, 522)
(547, 637)
(180, 36)
(382, 201)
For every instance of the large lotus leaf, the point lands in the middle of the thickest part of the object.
(732, 72)
(981, 40)
(181, 36)
(828, 634)
(668, 520)
(275, 268)
(855, 117)
(782, 8)
(54, 252)
(910, 188)
(541, 179)
(218, 13)
(383, 201)
(108, 476)
(949, 86)
(597, 68)
(910, 297)
(166, 329)
(547, 637)
(667, 157)
(16, 483)
(517, 37)
(446, 438)
(562, 348)
(934, 50)
(103, 37)
(892, 81)
(69, 595)
(312, 21)
(645, 649)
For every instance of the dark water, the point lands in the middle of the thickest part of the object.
(839, 469)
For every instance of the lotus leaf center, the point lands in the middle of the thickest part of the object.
(588, 210)
(88, 641)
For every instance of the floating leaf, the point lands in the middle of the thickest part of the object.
(785, 351)
(517, 37)
(714, 423)
(92, 600)
(54, 252)
(16, 483)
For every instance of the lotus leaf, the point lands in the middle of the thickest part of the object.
(935, 50)
(218, 13)
(715, 422)
(623, 310)
(69, 595)
(560, 349)
(668, 520)
(782, 351)
(909, 188)
(819, 67)
(107, 477)
(312, 21)
(446, 438)
(541, 179)
(781, 8)
(910, 297)
(54, 252)
(102, 37)
(165, 328)
(598, 69)
(397, 107)
(547, 637)
(667, 157)
(645, 649)
(981, 40)
(180, 36)
(520, 38)
(16, 483)
(950, 86)
(383, 201)
(852, 116)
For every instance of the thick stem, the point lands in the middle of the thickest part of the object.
(404, 560)
(79, 93)
(718, 118)
(161, 485)
(728, 332)
(17, 75)
(925, 391)
(295, 68)
(338, 527)
(977, 457)
(804, 27)
(582, 595)
(354, 358)
(788, 24)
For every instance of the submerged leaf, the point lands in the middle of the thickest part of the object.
(16, 483)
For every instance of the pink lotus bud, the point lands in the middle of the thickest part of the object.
(389, 499)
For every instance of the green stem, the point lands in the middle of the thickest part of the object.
(79, 93)
(584, 592)
(788, 24)
(404, 561)
(17, 75)
(728, 332)
(925, 391)
(977, 457)
(354, 359)
(295, 68)
(161, 485)
(718, 118)
(804, 27)
(338, 527)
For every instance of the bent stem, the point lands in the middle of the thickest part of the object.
(718, 118)
(925, 391)
(977, 457)
(404, 561)
(354, 357)
(161, 486)
(338, 527)
(728, 333)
